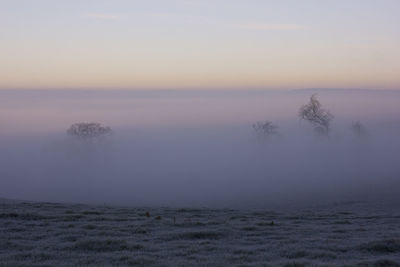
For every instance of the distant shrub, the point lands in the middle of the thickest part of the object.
(265, 129)
(88, 130)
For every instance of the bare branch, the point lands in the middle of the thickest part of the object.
(316, 115)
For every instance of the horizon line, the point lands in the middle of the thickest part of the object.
(233, 89)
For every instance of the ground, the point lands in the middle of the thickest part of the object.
(341, 234)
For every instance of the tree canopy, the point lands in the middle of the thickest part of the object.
(316, 115)
(88, 130)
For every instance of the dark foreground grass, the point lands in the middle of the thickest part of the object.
(48, 234)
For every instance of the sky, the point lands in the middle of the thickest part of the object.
(194, 44)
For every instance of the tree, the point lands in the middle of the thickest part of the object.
(359, 130)
(88, 130)
(265, 129)
(318, 117)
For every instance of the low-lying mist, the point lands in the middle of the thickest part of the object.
(223, 163)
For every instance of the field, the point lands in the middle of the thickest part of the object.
(343, 234)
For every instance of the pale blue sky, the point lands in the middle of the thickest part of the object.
(198, 44)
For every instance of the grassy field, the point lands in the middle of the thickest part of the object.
(51, 234)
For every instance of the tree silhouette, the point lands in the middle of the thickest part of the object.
(359, 129)
(318, 117)
(88, 130)
(265, 129)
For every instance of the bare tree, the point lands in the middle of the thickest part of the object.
(359, 129)
(88, 130)
(318, 117)
(265, 129)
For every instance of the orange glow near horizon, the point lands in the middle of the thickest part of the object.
(132, 46)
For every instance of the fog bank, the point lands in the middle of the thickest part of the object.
(198, 149)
